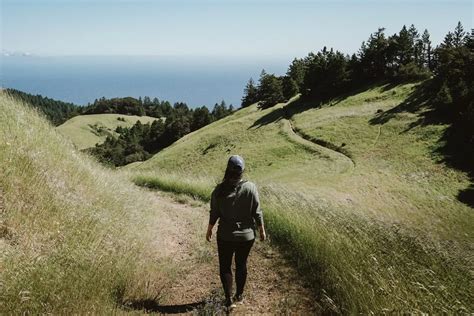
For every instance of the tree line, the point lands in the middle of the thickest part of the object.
(141, 141)
(401, 57)
(57, 112)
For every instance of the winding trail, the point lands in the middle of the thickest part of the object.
(295, 136)
(273, 286)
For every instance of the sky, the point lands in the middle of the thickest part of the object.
(214, 28)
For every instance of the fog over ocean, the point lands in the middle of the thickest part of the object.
(79, 79)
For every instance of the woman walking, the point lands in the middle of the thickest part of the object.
(236, 204)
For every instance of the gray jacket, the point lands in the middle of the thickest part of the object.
(238, 212)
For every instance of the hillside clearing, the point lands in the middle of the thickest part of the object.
(87, 130)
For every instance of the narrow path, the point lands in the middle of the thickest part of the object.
(294, 135)
(273, 286)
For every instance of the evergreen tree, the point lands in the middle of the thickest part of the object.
(289, 87)
(326, 74)
(404, 46)
(250, 94)
(459, 36)
(296, 71)
(426, 51)
(201, 117)
(269, 90)
(373, 56)
(448, 41)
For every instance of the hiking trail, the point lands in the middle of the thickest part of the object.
(273, 286)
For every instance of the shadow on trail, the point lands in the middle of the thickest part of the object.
(212, 305)
(456, 151)
(150, 305)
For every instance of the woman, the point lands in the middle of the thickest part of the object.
(236, 204)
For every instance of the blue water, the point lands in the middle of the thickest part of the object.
(196, 81)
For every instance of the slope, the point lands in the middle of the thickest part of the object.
(87, 130)
(364, 205)
(76, 238)
(71, 232)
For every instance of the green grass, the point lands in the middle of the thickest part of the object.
(87, 130)
(175, 183)
(74, 237)
(375, 226)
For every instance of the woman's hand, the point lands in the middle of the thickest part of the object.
(263, 234)
(209, 233)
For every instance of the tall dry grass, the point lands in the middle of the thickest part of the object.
(355, 263)
(73, 235)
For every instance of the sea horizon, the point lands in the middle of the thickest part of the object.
(80, 79)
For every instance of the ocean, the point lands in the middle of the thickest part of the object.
(197, 81)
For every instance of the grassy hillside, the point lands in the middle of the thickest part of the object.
(72, 234)
(353, 188)
(87, 130)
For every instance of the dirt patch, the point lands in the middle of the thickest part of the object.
(272, 287)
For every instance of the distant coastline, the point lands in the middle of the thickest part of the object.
(82, 79)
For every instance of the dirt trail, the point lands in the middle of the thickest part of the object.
(273, 286)
(294, 135)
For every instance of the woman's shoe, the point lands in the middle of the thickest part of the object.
(229, 305)
(239, 299)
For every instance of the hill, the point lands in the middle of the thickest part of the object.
(72, 234)
(76, 238)
(355, 189)
(87, 130)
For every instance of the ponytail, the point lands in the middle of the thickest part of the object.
(230, 182)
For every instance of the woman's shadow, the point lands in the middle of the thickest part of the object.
(150, 305)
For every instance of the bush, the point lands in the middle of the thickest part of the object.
(412, 72)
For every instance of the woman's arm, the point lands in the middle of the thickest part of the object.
(263, 234)
(209, 232)
(257, 214)
(213, 216)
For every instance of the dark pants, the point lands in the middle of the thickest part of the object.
(226, 250)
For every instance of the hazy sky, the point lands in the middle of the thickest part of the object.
(258, 28)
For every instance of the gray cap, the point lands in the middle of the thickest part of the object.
(236, 163)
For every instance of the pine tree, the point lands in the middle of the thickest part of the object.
(459, 36)
(269, 90)
(373, 55)
(426, 52)
(289, 87)
(297, 71)
(416, 45)
(470, 41)
(250, 94)
(404, 46)
(448, 41)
